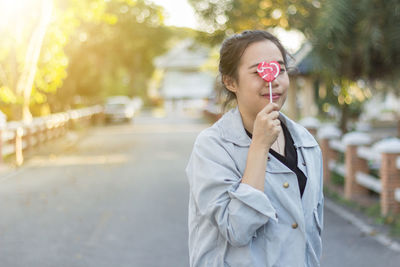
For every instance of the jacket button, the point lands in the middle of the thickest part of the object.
(269, 158)
(304, 164)
(286, 185)
(294, 225)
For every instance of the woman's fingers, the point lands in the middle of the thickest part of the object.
(270, 111)
(273, 115)
(267, 125)
(269, 108)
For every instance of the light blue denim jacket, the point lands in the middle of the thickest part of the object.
(234, 224)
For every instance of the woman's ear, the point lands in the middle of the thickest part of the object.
(229, 83)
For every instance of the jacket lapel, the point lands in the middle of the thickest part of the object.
(232, 130)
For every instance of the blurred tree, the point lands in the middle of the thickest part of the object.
(114, 58)
(228, 16)
(356, 43)
(29, 68)
(364, 33)
(32, 59)
(357, 40)
(77, 51)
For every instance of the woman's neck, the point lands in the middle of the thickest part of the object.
(248, 121)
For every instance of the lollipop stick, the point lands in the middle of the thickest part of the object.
(270, 92)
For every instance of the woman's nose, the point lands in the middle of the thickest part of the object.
(274, 83)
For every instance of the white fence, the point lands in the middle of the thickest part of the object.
(361, 157)
(17, 137)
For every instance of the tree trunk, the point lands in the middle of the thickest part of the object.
(25, 82)
(344, 118)
(398, 126)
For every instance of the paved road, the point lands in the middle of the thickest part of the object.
(120, 199)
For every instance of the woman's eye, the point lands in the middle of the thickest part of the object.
(282, 71)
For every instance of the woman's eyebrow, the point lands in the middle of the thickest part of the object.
(256, 64)
(281, 62)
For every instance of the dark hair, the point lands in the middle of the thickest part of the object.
(231, 52)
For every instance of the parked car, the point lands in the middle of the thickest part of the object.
(119, 108)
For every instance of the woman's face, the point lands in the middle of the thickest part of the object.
(251, 90)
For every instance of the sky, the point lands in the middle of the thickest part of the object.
(181, 14)
(178, 13)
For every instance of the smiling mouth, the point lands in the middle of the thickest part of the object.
(274, 96)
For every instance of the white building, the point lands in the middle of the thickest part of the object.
(184, 81)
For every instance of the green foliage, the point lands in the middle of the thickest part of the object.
(51, 66)
(228, 16)
(353, 41)
(395, 230)
(337, 179)
(356, 43)
(113, 58)
(358, 39)
(92, 49)
(7, 95)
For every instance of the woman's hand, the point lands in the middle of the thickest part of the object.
(266, 129)
(266, 126)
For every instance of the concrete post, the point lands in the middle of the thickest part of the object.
(325, 134)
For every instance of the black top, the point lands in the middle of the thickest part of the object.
(290, 160)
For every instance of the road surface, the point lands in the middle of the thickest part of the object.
(119, 198)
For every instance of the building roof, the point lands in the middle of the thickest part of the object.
(183, 77)
(302, 60)
(185, 55)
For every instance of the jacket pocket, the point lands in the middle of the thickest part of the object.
(315, 241)
(317, 222)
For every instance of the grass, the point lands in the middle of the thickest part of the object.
(337, 179)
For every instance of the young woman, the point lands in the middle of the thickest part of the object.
(255, 176)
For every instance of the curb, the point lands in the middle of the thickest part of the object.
(362, 226)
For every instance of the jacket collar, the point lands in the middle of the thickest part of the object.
(232, 130)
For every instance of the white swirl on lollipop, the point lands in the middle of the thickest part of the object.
(268, 72)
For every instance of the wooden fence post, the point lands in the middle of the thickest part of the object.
(1, 144)
(19, 157)
(354, 164)
(26, 136)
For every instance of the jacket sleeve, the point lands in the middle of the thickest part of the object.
(237, 209)
(321, 195)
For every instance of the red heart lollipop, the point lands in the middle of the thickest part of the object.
(268, 71)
